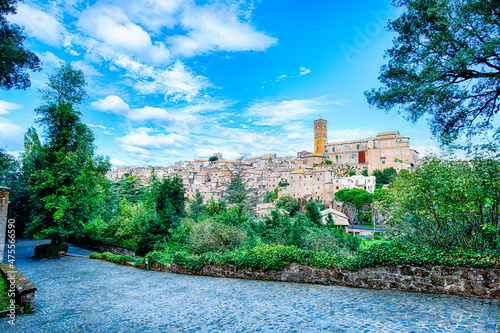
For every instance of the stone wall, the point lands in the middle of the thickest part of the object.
(24, 289)
(105, 248)
(461, 281)
(4, 203)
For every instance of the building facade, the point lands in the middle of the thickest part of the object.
(385, 150)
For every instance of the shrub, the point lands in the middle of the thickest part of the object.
(211, 236)
(49, 251)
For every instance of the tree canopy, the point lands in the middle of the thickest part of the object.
(288, 203)
(65, 173)
(15, 60)
(444, 66)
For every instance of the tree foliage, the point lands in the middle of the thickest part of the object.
(354, 196)
(444, 65)
(288, 203)
(448, 204)
(313, 214)
(65, 173)
(15, 59)
(385, 176)
(197, 208)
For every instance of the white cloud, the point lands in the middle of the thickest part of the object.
(6, 107)
(112, 104)
(277, 113)
(350, 134)
(295, 136)
(110, 25)
(98, 126)
(136, 150)
(216, 28)
(39, 24)
(11, 135)
(281, 77)
(176, 82)
(142, 139)
(118, 163)
(304, 71)
(172, 153)
(50, 59)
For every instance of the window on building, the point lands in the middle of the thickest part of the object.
(345, 147)
(382, 154)
(383, 162)
(317, 126)
(381, 144)
(389, 154)
(333, 149)
(393, 144)
(324, 126)
(403, 152)
(357, 147)
(373, 158)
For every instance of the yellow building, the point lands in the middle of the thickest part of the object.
(320, 136)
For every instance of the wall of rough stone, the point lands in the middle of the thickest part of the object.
(105, 248)
(4, 203)
(461, 281)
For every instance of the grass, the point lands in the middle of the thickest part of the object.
(4, 293)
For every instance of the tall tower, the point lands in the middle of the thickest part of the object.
(320, 136)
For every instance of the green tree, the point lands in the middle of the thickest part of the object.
(364, 172)
(328, 162)
(447, 204)
(385, 176)
(237, 191)
(197, 208)
(15, 60)
(288, 203)
(167, 199)
(354, 199)
(312, 213)
(66, 173)
(354, 196)
(7, 165)
(213, 159)
(444, 65)
(128, 187)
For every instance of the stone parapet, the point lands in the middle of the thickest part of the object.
(4, 203)
(461, 281)
(24, 288)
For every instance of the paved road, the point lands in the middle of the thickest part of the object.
(83, 295)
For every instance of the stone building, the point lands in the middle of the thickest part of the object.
(385, 150)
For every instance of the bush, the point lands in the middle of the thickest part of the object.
(49, 251)
(116, 258)
(211, 236)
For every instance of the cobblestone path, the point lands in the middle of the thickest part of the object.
(84, 295)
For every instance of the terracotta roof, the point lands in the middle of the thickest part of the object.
(314, 155)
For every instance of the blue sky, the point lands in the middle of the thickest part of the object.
(172, 80)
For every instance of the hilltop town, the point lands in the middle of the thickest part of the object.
(309, 175)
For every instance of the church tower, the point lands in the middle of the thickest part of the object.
(320, 136)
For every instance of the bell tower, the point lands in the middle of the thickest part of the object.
(320, 136)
